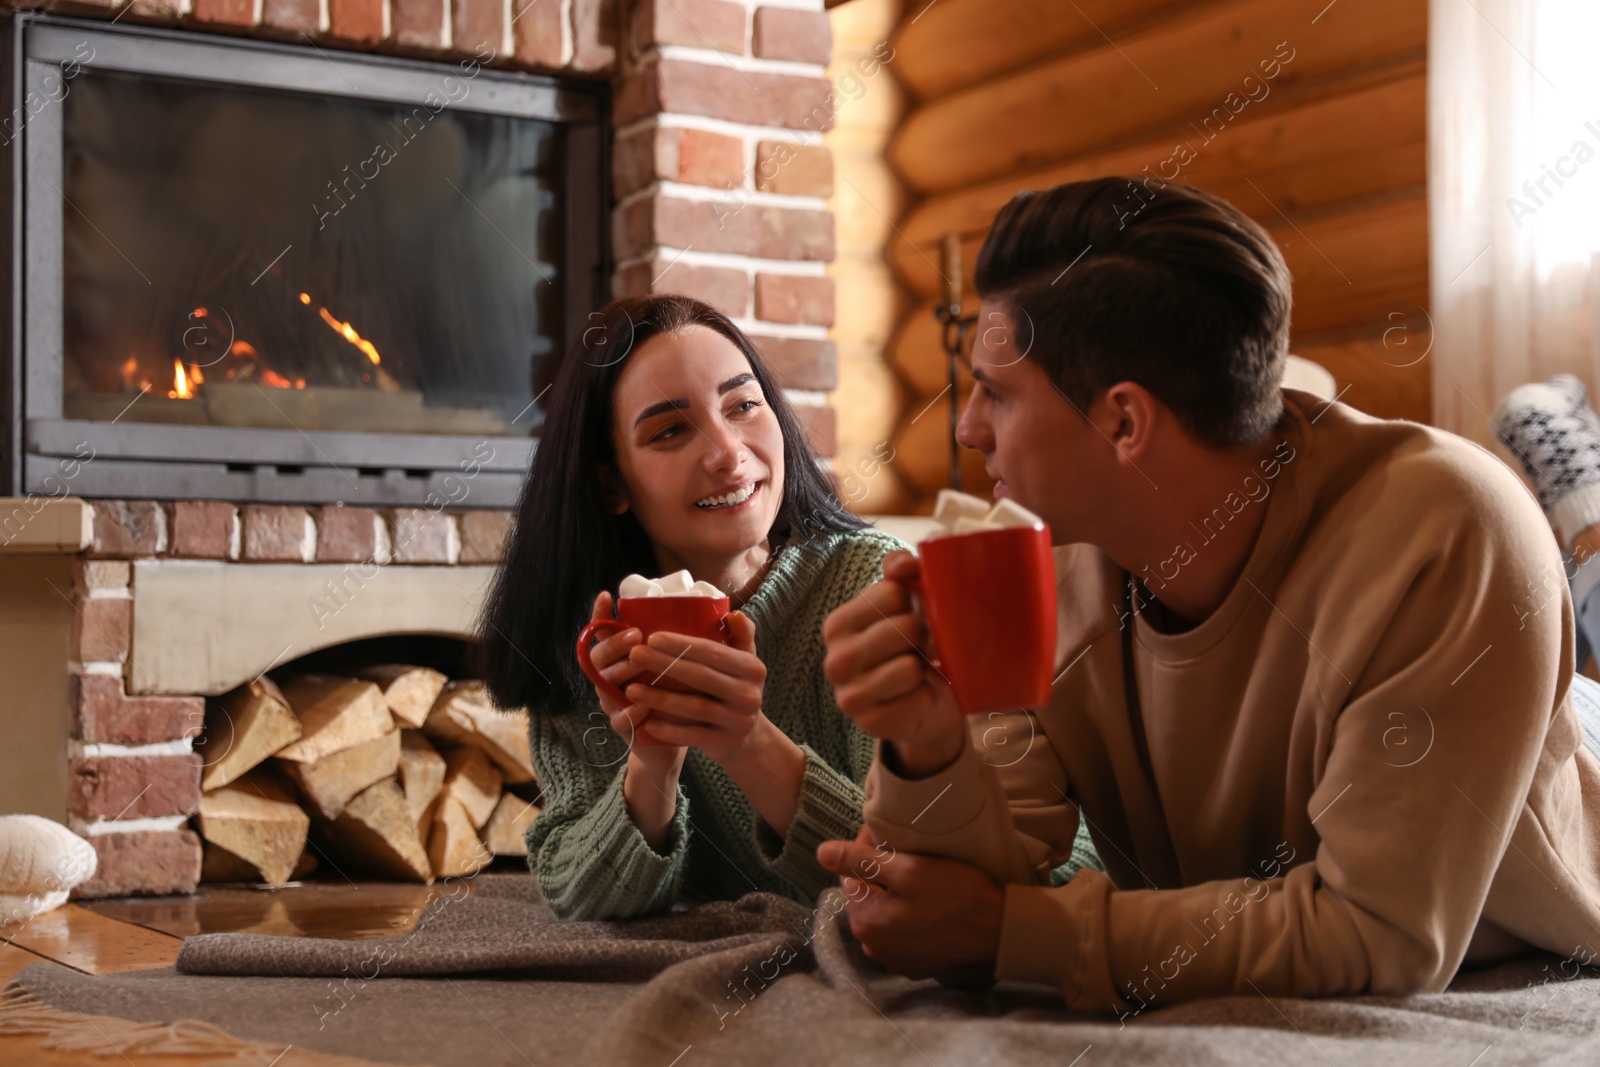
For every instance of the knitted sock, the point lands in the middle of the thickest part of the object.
(1572, 388)
(1556, 434)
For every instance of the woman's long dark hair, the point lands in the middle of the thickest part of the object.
(566, 544)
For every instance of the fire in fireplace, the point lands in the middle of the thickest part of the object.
(339, 292)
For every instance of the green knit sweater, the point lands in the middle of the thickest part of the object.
(589, 857)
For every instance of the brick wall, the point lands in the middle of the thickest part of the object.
(546, 35)
(134, 772)
(722, 179)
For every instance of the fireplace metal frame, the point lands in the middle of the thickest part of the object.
(44, 453)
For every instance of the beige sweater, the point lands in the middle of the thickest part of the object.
(1361, 771)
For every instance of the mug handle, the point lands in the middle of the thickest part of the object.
(915, 585)
(601, 628)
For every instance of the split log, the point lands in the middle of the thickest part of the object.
(334, 713)
(243, 728)
(464, 715)
(375, 830)
(474, 782)
(426, 816)
(506, 834)
(308, 865)
(330, 782)
(421, 777)
(254, 830)
(409, 691)
(454, 847)
(217, 864)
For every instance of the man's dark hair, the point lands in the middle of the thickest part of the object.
(1172, 288)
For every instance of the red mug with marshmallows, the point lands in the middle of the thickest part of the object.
(691, 616)
(990, 601)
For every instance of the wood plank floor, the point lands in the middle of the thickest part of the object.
(136, 933)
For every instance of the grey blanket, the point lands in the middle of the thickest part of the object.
(489, 978)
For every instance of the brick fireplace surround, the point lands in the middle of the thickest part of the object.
(119, 617)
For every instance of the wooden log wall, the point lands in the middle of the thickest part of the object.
(867, 199)
(1309, 116)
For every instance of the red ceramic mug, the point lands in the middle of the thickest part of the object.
(990, 601)
(692, 616)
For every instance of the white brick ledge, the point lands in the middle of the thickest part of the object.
(94, 750)
(99, 827)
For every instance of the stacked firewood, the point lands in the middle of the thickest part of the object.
(393, 771)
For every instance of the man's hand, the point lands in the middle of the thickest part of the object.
(916, 915)
(881, 662)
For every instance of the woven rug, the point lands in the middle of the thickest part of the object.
(490, 978)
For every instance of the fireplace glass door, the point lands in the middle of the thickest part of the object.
(242, 257)
(255, 270)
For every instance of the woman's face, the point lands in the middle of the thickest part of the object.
(699, 452)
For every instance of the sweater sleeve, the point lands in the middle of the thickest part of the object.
(588, 855)
(828, 808)
(829, 805)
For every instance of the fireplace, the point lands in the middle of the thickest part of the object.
(343, 291)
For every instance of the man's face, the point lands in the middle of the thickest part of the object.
(1041, 452)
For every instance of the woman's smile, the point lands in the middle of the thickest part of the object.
(736, 499)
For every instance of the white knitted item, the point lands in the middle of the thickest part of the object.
(40, 862)
(1576, 511)
(1556, 434)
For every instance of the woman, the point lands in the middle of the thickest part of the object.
(668, 447)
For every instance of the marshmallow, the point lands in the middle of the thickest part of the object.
(963, 513)
(953, 505)
(679, 583)
(965, 525)
(1008, 512)
(634, 585)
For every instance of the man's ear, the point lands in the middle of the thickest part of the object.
(615, 490)
(1127, 413)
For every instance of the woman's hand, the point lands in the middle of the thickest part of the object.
(650, 783)
(723, 717)
(610, 656)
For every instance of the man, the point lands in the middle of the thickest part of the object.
(1319, 741)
